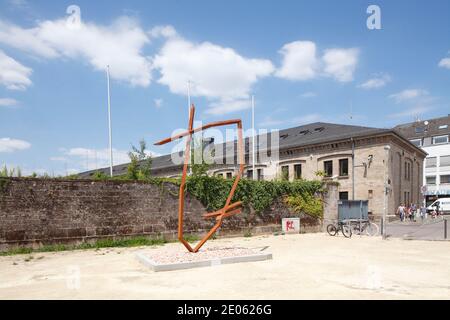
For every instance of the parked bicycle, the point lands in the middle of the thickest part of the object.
(364, 227)
(345, 228)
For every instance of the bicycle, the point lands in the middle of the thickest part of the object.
(333, 230)
(366, 227)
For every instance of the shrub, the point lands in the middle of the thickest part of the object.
(140, 162)
(305, 203)
(213, 191)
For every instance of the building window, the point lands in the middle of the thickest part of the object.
(430, 162)
(440, 139)
(420, 129)
(407, 171)
(297, 171)
(229, 175)
(370, 195)
(417, 142)
(343, 195)
(343, 167)
(249, 174)
(431, 180)
(328, 168)
(285, 173)
(220, 175)
(444, 126)
(260, 175)
(445, 179)
(444, 161)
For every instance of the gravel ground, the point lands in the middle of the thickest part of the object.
(311, 266)
(178, 254)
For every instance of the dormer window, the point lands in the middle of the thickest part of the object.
(440, 139)
(420, 129)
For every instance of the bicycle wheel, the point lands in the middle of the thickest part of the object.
(332, 230)
(355, 228)
(372, 229)
(346, 230)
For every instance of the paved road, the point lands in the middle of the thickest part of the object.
(432, 229)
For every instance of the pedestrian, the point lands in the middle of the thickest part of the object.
(401, 211)
(423, 212)
(412, 212)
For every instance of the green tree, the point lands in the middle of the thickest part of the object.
(140, 162)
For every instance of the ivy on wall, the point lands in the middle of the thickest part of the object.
(213, 191)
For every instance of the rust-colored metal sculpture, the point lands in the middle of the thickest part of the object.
(229, 209)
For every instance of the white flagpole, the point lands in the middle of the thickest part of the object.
(253, 139)
(109, 125)
(189, 115)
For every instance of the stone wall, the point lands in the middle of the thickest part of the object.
(46, 211)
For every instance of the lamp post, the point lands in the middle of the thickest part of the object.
(387, 148)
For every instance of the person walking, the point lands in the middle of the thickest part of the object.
(423, 212)
(401, 212)
(412, 212)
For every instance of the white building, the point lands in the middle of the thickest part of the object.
(433, 137)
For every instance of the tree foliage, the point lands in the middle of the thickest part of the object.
(213, 191)
(140, 162)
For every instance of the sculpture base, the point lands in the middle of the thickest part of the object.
(164, 260)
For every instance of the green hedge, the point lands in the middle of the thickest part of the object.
(213, 191)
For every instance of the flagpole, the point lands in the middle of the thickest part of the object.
(109, 125)
(189, 115)
(253, 139)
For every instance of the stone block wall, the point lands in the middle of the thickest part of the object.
(46, 211)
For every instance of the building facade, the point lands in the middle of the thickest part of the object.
(433, 136)
(363, 161)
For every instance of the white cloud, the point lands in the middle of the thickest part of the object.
(118, 45)
(9, 145)
(158, 103)
(408, 95)
(228, 106)
(341, 63)
(8, 102)
(445, 63)
(13, 75)
(217, 73)
(91, 159)
(163, 31)
(299, 61)
(376, 82)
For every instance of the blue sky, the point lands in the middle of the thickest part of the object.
(305, 61)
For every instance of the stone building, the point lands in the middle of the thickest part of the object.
(362, 160)
(433, 137)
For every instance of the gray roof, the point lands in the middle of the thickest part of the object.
(418, 129)
(309, 134)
